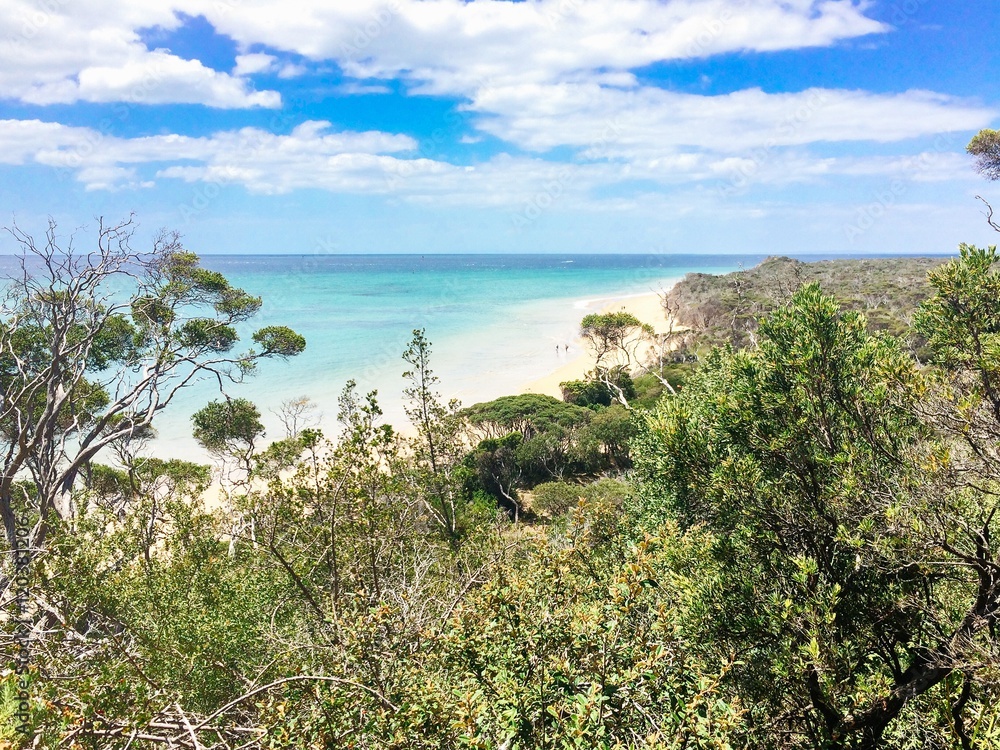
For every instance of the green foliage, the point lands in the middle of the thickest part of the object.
(648, 387)
(116, 342)
(535, 438)
(611, 327)
(93, 346)
(185, 279)
(526, 439)
(616, 335)
(595, 392)
(553, 499)
(279, 341)
(589, 393)
(605, 442)
(144, 478)
(493, 468)
(228, 427)
(183, 620)
(572, 650)
(985, 146)
(725, 309)
(802, 558)
(207, 334)
(529, 414)
(439, 446)
(800, 457)
(961, 321)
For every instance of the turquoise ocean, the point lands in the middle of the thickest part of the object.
(494, 322)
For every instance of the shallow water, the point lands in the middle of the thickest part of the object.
(494, 321)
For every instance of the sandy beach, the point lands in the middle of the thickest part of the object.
(575, 363)
(646, 307)
(524, 351)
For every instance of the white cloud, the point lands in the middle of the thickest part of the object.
(354, 88)
(91, 50)
(313, 156)
(161, 78)
(310, 156)
(257, 62)
(291, 70)
(21, 140)
(453, 47)
(540, 74)
(60, 52)
(111, 178)
(606, 122)
(926, 166)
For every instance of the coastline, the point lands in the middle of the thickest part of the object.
(524, 351)
(646, 306)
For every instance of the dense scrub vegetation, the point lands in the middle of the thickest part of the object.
(790, 545)
(726, 309)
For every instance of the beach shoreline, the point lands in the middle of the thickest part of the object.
(529, 351)
(646, 306)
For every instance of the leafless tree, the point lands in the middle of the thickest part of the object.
(297, 414)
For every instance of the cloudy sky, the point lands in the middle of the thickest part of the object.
(788, 126)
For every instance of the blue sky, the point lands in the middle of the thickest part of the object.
(749, 126)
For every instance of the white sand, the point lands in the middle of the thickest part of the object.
(522, 357)
(646, 307)
(575, 363)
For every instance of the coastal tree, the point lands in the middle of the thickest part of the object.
(808, 561)
(618, 337)
(230, 431)
(228, 428)
(298, 414)
(528, 413)
(438, 447)
(94, 344)
(533, 438)
(857, 570)
(600, 388)
(985, 147)
(496, 470)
